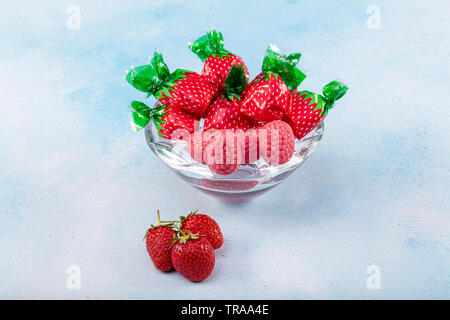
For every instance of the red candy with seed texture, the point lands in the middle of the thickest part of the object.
(198, 141)
(276, 141)
(167, 119)
(225, 112)
(223, 154)
(267, 99)
(218, 61)
(174, 118)
(183, 89)
(191, 92)
(309, 109)
(269, 95)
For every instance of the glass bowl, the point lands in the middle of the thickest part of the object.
(248, 182)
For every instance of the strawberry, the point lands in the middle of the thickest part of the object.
(268, 96)
(193, 256)
(203, 225)
(276, 142)
(224, 113)
(223, 154)
(167, 119)
(309, 109)
(183, 89)
(159, 240)
(217, 60)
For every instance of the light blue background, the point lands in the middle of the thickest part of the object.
(78, 187)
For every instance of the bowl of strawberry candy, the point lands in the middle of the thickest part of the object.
(230, 138)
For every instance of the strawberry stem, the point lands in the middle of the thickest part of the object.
(159, 219)
(178, 228)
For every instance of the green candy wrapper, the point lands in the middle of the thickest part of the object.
(309, 108)
(217, 61)
(331, 92)
(183, 89)
(211, 44)
(284, 66)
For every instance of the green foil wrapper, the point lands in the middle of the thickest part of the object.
(284, 66)
(331, 92)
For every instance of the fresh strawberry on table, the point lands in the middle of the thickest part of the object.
(217, 60)
(268, 97)
(183, 89)
(167, 119)
(159, 241)
(205, 226)
(193, 256)
(224, 112)
(309, 109)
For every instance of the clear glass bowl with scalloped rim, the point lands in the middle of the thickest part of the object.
(248, 182)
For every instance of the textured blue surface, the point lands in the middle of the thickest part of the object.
(78, 187)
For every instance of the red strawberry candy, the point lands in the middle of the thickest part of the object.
(198, 141)
(205, 226)
(276, 142)
(159, 240)
(193, 256)
(268, 97)
(183, 89)
(168, 119)
(224, 113)
(248, 142)
(223, 154)
(309, 109)
(218, 61)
